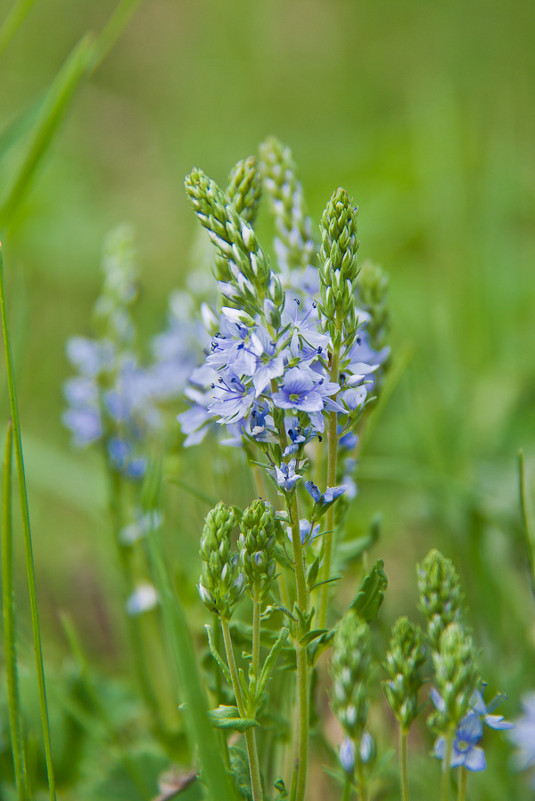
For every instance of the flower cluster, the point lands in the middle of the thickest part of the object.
(113, 398)
(268, 377)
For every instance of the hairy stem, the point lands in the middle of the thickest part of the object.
(301, 653)
(250, 739)
(403, 764)
(461, 793)
(446, 768)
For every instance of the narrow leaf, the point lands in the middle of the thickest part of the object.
(13, 697)
(228, 717)
(371, 594)
(217, 656)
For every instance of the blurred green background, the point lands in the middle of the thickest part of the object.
(424, 112)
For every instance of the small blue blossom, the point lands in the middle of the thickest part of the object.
(523, 735)
(465, 750)
(347, 755)
(477, 704)
(328, 497)
(307, 531)
(299, 392)
(285, 475)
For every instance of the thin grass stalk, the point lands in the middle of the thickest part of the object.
(27, 536)
(13, 698)
(13, 21)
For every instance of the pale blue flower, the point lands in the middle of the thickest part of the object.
(465, 750)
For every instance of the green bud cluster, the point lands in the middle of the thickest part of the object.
(351, 669)
(222, 582)
(456, 677)
(372, 286)
(257, 545)
(245, 277)
(339, 268)
(245, 189)
(294, 243)
(404, 665)
(441, 596)
(119, 291)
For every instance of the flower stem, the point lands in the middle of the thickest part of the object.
(403, 764)
(347, 789)
(332, 458)
(301, 654)
(446, 768)
(461, 792)
(363, 788)
(256, 634)
(27, 537)
(250, 739)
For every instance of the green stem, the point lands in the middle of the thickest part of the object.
(134, 632)
(250, 739)
(332, 458)
(301, 654)
(13, 698)
(363, 788)
(256, 634)
(403, 764)
(347, 788)
(27, 536)
(463, 779)
(446, 768)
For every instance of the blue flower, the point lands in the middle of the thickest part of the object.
(307, 531)
(285, 475)
(299, 392)
(524, 734)
(328, 497)
(347, 755)
(478, 705)
(465, 750)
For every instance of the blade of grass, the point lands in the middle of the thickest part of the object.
(8, 607)
(113, 30)
(13, 21)
(57, 101)
(25, 515)
(200, 730)
(529, 533)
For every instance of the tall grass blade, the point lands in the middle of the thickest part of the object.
(53, 110)
(13, 21)
(529, 531)
(113, 30)
(218, 782)
(8, 608)
(25, 515)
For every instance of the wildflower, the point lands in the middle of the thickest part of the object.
(327, 498)
(299, 392)
(465, 750)
(285, 475)
(307, 531)
(347, 755)
(523, 735)
(143, 599)
(477, 704)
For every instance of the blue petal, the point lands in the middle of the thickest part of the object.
(475, 759)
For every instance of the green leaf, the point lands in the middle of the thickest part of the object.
(371, 594)
(52, 111)
(228, 717)
(312, 635)
(217, 656)
(271, 659)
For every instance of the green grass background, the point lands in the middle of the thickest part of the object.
(424, 112)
